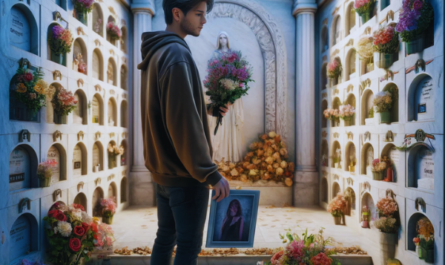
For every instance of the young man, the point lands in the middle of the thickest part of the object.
(177, 146)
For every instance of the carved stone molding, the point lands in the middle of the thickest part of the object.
(389, 137)
(98, 181)
(24, 135)
(420, 202)
(364, 85)
(112, 52)
(124, 96)
(110, 177)
(350, 88)
(97, 42)
(123, 22)
(272, 45)
(80, 186)
(336, 91)
(367, 31)
(57, 74)
(367, 136)
(80, 135)
(80, 30)
(336, 52)
(324, 134)
(324, 95)
(389, 15)
(336, 135)
(124, 135)
(98, 88)
(57, 134)
(335, 10)
(112, 135)
(366, 186)
(350, 181)
(336, 177)
(325, 21)
(97, 135)
(24, 204)
(56, 194)
(80, 82)
(112, 92)
(350, 135)
(350, 42)
(112, 11)
(390, 194)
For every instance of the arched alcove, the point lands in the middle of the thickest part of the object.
(112, 191)
(350, 157)
(51, 115)
(384, 4)
(324, 39)
(350, 19)
(18, 111)
(98, 195)
(80, 56)
(324, 76)
(390, 151)
(123, 160)
(421, 97)
(23, 238)
(124, 77)
(335, 189)
(340, 77)
(81, 199)
(80, 114)
(412, 229)
(124, 186)
(23, 31)
(22, 168)
(98, 19)
(350, 100)
(58, 154)
(97, 106)
(394, 90)
(58, 205)
(112, 112)
(324, 121)
(111, 72)
(336, 155)
(369, 203)
(367, 105)
(421, 168)
(98, 157)
(80, 158)
(109, 38)
(52, 56)
(124, 39)
(351, 65)
(324, 190)
(124, 114)
(112, 156)
(367, 156)
(98, 65)
(324, 154)
(336, 106)
(336, 30)
(350, 198)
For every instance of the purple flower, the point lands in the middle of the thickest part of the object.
(417, 5)
(57, 31)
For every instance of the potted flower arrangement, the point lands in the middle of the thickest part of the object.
(70, 234)
(415, 18)
(332, 114)
(337, 207)
(113, 31)
(336, 158)
(425, 232)
(383, 104)
(108, 210)
(103, 239)
(60, 41)
(416, 242)
(305, 249)
(377, 169)
(44, 172)
(364, 8)
(31, 89)
(365, 50)
(388, 226)
(114, 151)
(386, 45)
(64, 103)
(82, 8)
(346, 113)
(334, 71)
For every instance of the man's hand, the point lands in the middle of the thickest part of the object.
(222, 190)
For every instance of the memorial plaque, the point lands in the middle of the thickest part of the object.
(425, 99)
(96, 155)
(425, 172)
(19, 30)
(53, 154)
(77, 160)
(96, 110)
(96, 65)
(20, 241)
(19, 177)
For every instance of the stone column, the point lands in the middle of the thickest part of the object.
(141, 185)
(306, 176)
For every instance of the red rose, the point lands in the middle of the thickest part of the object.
(75, 244)
(79, 230)
(53, 213)
(86, 227)
(28, 77)
(78, 206)
(61, 217)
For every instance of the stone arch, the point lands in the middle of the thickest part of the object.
(324, 39)
(112, 191)
(112, 157)
(420, 174)
(324, 154)
(324, 190)
(124, 114)
(124, 77)
(336, 30)
(123, 39)
(350, 156)
(56, 151)
(25, 226)
(111, 19)
(272, 45)
(80, 167)
(412, 229)
(335, 189)
(62, 58)
(98, 195)
(335, 105)
(366, 106)
(335, 155)
(98, 19)
(324, 106)
(98, 109)
(353, 102)
(350, 65)
(82, 200)
(80, 115)
(124, 186)
(111, 72)
(29, 41)
(367, 201)
(366, 158)
(98, 65)
(112, 112)
(351, 200)
(79, 47)
(324, 76)
(416, 104)
(51, 115)
(394, 90)
(57, 206)
(350, 18)
(98, 157)
(124, 157)
(391, 152)
(28, 172)
(17, 110)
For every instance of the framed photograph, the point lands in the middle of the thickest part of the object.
(232, 221)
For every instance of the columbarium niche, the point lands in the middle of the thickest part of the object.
(336, 106)
(336, 30)
(324, 39)
(52, 56)
(51, 115)
(23, 31)
(336, 155)
(98, 65)
(394, 111)
(324, 77)
(324, 121)
(413, 227)
(22, 168)
(112, 191)
(351, 101)
(391, 153)
(124, 114)
(98, 19)
(80, 56)
(367, 111)
(324, 154)
(367, 157)
(23, 238)
(335, 189)
(97, 106)
(124, 185)
(17, 110)
(350, 198)
(324, 190)
(368, 203)
(82, 200)
(57, 154)
(351, 72)
(80, 158)
(80, 115)
(124, 39)
(123, 159)
(98, 157)
(421, 168)
(112, 156)
(98, 195)
(124, 79)
(112, 112)
(350, 157)
(111, 72)
(421, 99)
(350, 18)
(111, 20)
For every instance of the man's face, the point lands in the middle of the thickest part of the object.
(193, 23)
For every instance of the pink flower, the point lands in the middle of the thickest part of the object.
(417, 5)
(295, 249)
(277, 256)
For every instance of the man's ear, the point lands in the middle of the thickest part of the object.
(177, 14)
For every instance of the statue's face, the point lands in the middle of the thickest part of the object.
(223, 40)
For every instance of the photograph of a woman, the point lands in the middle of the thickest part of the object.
(233, 223)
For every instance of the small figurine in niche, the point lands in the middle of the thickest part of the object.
(365, 217)
(353, 162)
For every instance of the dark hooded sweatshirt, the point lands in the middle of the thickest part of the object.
(175, 130)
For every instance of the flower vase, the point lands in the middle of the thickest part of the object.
(108, 219)
(82, 17)
(337, 165)
(337, 220)
(418, 250)
(377, 175)
(367, 15)
(415, 46)
(387, 246)
(45, 182)
(334, 81)
(384, 60)
(429, 257)
(57, 58)
(385, 117)
(365, 224)
(422, 252)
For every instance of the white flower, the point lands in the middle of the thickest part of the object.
(229, 84)
(86, 218)
(64, 228)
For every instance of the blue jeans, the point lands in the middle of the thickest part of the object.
(181, 218)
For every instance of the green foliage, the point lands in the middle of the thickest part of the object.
(426, 244)
(366, 8)
(33, 104)
(371, 113)
(390, 47)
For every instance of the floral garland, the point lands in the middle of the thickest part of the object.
(415, 18)
(31, 89)
(60, 40)
(64, 101)
(113, 31)
(386, 40)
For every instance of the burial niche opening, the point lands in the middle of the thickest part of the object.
(351, 101)
(123, 159)
(367, 111)
(324, 77)
(336, 155)
(124, 79)
(51, 114)
(350, 157)
(324, 39)
(80, 115)
(18, 111)
(80, 56)
(98, 65)
(350, 18)
(82, 200)
(394, 91)
(123, 39)
(80, 158)
(124, 190)
(421, 168)
(350, 198)
(23, 238)
(324, 190)
(52, 55)
(98, 20)
(112, 112)
(335, 189)
(111, 21)
(336, 36)
(112, 155)
(97, 107)
(124, 114)
(418, 222)
(98, 158)
(57, 155)
(324, 154)
(22, 168)
(98, 195)
(366, 159)
(368, 205)
(421, 99)
(111, 72)
(23, 31)
(335, 121)
(351, 65)
(324, 121)
(112, 191)
(391, 155)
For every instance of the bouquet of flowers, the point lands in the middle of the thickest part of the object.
(378, 166)
(44, 169)
(227, 81)
(387, 207)
(60, 40)
(365, 48)
(425, 228)
(346, 112)
(334, 69)
(383, 101)
(103, 239)
(114, 150)
(83, 6)
(386, 40)
(64, 101)
(337, 206)
(387, 223)
(305, 249)
(113, 31)
(415, 18)
(70, 235)
(31, 89)
(363, 6)
(108, 209)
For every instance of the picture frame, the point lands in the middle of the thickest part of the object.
(221, 231)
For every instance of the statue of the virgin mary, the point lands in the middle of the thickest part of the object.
(228, 143)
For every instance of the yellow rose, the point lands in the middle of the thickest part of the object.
(21, 88)
(41, 86)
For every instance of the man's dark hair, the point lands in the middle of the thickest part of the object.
(184, 5)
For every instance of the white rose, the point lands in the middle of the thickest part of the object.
(64, 228)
